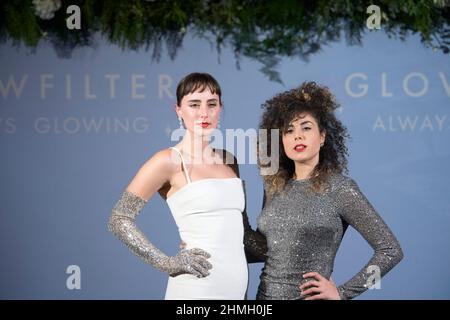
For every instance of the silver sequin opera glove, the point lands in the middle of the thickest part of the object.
(122, 225)
(191, 261)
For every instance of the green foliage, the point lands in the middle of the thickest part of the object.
(262, 30)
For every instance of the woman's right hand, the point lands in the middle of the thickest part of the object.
(191, 261)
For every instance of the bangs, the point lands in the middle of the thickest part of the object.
(298, 111)
(197, 82)
(202, 86)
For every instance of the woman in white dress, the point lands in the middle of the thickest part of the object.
(205, 196)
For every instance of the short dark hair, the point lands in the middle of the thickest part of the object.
(195, 81)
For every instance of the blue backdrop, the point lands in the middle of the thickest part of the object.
(74, 132)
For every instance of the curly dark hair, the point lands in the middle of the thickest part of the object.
(280, 110)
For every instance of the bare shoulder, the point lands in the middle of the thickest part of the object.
(164, 159)
(154, 174)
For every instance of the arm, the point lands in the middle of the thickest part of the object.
(356, 210)
(254, 241)
(150, 178)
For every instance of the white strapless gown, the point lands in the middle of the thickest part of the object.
(208, 214)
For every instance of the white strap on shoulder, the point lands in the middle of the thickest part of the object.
(184, 165)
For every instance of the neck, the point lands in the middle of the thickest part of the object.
(196, 147)
(303, 170)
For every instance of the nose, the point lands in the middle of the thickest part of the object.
(298, 134)
(204, 113)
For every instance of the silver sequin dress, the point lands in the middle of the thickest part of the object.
(304, 229)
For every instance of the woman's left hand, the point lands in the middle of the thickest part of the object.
(319, 288)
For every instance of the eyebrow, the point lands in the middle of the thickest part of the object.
(290, 124)
(209, 100)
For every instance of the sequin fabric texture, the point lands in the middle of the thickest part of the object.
(304, 229)
(122, 224)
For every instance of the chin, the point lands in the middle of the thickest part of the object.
(209, 131)
(203, 133)
(299, 158)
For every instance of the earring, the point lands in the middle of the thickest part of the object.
(218, 123)
(181, 123)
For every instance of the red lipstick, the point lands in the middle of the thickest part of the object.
(300, 147)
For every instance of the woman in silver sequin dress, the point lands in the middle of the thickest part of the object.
(309, 203)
